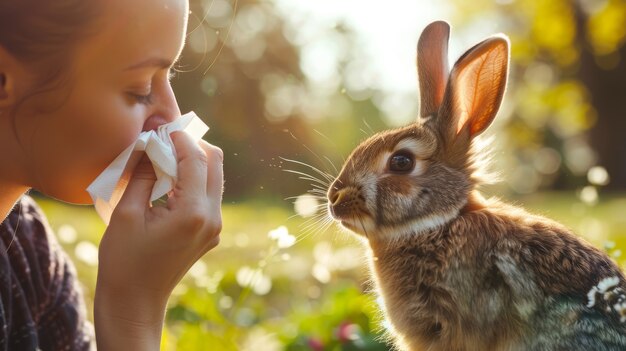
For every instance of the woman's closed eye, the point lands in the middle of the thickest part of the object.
(145, 94)
(145, 99)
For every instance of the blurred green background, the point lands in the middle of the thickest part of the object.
(306, 81)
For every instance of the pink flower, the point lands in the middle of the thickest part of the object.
(348, 332)
(315, 344)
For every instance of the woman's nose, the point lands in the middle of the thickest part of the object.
(164, 108)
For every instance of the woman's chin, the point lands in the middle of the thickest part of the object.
(71, 197)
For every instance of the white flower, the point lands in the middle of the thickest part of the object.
(67, 234)
(286, 241)
(306, 205)
(259, 339)
(598, 176)
(199, 269)
(278, 232)
(589, 195)
(87, 252)
(282, 237)
(246, 276)
(254, 278)
(321, 273)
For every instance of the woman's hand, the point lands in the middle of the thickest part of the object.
(146, 250)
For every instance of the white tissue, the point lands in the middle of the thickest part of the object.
(106, 191)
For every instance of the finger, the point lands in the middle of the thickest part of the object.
(215, 170)
(192, 164)
(136, 197)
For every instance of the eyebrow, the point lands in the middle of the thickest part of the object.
(153, 62)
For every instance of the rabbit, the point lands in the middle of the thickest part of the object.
(457, 271)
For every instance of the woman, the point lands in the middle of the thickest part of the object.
(79, 80)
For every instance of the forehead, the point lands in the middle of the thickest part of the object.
(131, 31)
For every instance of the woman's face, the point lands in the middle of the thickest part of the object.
(118, 86)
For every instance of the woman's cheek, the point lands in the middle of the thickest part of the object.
(120, 136)
(116, 126)
(97, 131)
(100, 149)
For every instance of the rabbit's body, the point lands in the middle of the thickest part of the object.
(457, 272)
(495, 278)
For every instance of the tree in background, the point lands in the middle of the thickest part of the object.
(241, 71)
(235, 57)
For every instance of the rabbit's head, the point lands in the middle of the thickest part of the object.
(408, 180)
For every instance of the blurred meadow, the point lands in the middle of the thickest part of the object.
(280, 80)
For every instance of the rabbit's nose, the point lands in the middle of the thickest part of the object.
(337, 197)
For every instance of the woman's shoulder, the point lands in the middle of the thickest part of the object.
(28, 241)
(27, 218)
(38, 286)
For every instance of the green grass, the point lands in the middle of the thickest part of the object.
(311, 296)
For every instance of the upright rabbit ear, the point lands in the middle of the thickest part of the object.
(475, 89)
(432, 66)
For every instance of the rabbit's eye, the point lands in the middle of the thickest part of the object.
(401, 162)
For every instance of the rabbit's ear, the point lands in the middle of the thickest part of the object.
(475, 89)
(432, 66)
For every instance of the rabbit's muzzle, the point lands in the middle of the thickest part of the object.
(347, 204)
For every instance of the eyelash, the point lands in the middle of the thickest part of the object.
(147, 99)
(142, 99)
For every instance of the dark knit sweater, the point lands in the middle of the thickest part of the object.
(41, 305)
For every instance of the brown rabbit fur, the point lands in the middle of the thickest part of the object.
(457, 271)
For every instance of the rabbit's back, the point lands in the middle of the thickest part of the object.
(564, 323)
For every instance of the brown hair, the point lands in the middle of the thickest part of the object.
(42, 33)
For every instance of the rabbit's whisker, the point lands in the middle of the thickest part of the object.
(324, 136)
(293, 216)
(309, 176)
(317, 209)
(332, 164)
(321, 189)
(305, 176)
(326, 175)
(315, 154)
(372, 132)
(363, 226)
(311, 227)
(322, 212)
(313, 222)
(319, 226)
(314, 193)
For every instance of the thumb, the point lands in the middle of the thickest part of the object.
(136, 197)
